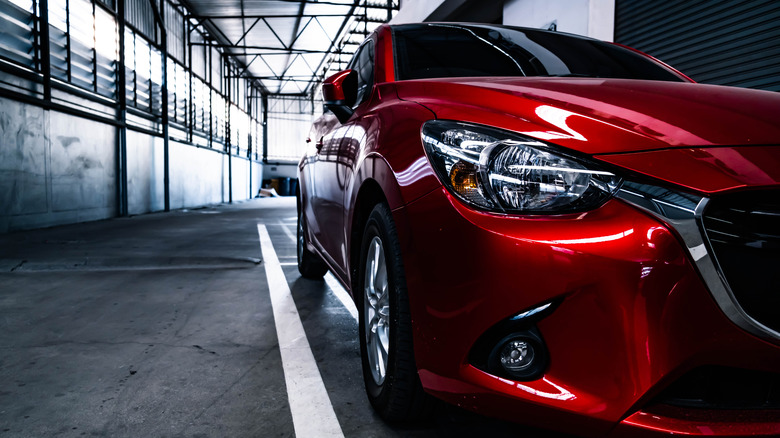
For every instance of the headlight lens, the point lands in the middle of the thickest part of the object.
(506, 172)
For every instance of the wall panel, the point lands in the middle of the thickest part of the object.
(722, 42)
(83, 166)
(23, 156)
(145, 173)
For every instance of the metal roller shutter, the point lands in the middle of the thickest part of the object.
(722, 42)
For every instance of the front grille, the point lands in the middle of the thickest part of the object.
(724, 388)
(744, 233)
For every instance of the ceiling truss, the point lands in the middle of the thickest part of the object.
(289, 46)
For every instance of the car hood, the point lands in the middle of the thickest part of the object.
(605, 116)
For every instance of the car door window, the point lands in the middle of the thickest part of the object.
(363, 64)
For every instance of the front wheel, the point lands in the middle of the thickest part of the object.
(389, 369)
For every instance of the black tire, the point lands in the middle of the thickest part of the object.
(398, 397)
(310, 265)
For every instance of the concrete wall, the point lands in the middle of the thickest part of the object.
(413, 11)
(281, 171)
(145, 173)
(24, 156)
(247, 177)
(198, 176)
(57, 168)
(82, 168)
(54, 168)
(593, 18)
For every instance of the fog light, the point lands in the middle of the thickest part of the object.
(517, 355)
(521, 355)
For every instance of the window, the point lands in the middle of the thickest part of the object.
(58, 36)
(452, 50)
(174, 25)
(140, 16)
(78, 55)
(363, 64)
(198, 58)
(178, 92)
(156, 78)
(218, 111)
(81, 25)
(289, 120)
(143, 73)
(17, 37)
(200, 101)
(85, 52)
(106, 52)
(130, 75)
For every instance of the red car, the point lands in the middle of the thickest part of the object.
(550, 229)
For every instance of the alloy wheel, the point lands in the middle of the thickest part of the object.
(376, 306)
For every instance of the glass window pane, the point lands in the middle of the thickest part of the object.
(106, 35)
(129, 49)
(58, 15)
(82, 25)
(27, 5)
(142, 58)
(17, 41)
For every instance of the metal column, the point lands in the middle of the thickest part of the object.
(228, 132)
(121, 146)
(265, 128)
(166, 140)
(43, 5)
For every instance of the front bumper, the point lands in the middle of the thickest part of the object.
(634, 314)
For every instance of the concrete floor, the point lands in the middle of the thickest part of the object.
(161, 326)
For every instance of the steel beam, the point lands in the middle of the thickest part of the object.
(282, 50)
(252, 17)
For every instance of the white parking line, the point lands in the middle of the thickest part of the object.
(341, 294)
(312, 411)
(333, 284)
(288, 232)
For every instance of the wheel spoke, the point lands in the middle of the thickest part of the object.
(370, 279)
(380, 281)
(377, 249)
(384, 340)
(382, 306)
(375, 321)
(382, 358)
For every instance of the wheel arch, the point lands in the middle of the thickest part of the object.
(369, 195)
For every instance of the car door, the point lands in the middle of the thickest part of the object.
(354, 139)
(334, 167)
(325, 197)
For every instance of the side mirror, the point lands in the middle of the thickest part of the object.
(339, 93)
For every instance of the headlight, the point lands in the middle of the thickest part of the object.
(506, 172)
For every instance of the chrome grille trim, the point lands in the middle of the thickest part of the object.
(683, 212)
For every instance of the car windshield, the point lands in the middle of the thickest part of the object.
(438, 50)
